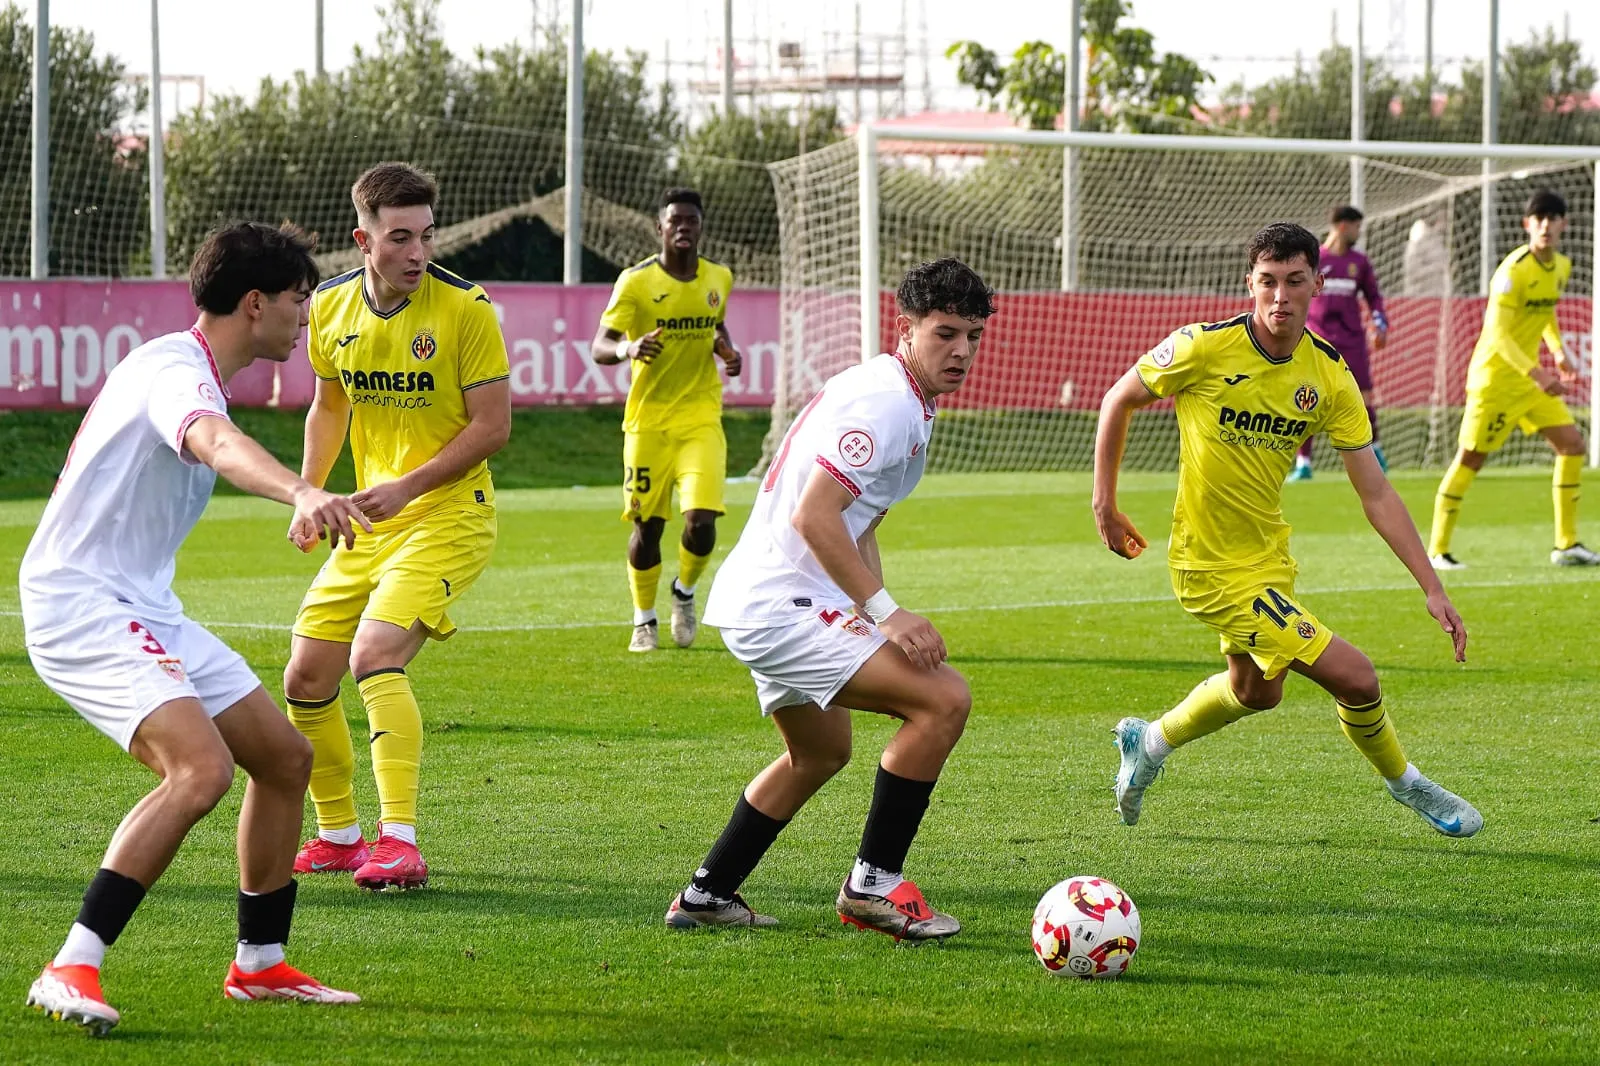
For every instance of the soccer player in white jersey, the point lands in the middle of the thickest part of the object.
(801, 602)
(107, 634)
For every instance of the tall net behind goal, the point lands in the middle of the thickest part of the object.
(1160, 239)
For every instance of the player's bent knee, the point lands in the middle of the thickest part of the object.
(821, 765)
(1262, 698)
(201, 785)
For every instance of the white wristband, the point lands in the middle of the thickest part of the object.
(879, 606)
(625, 349)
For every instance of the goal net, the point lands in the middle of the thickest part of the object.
(1157, 237)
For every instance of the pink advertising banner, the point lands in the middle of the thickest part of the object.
(59, 339)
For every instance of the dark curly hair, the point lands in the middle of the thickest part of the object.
(1281, 242)
(244, 256)
(947, 285)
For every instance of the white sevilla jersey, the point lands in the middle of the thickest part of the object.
(128, 494)
(869, 429)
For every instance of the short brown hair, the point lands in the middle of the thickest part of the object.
(392, 185)
(249, 256)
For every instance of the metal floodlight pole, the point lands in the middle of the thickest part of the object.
(867, 158)
(1594, 334)
(158, 161)
(40, 229)
(1358, 111)
(1491, 134)
(727, 58)
(317, 32)
(1069, 155)
(572, 240)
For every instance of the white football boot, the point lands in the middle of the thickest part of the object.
(684, 623)
(1137, 772)
(645, 637)
(1446, 561)
(1577, 555)
(1439, 807)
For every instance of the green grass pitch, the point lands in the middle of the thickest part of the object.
(1292, 912)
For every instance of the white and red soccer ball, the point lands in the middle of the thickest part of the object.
(1086, 927)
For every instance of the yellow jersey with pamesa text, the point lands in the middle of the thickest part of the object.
(1242, 414)
(680, 388)
(407, 374)
(1522, 308)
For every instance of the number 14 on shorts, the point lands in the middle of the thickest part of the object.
(1277, 611)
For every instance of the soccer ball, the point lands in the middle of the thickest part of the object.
(1085, 927)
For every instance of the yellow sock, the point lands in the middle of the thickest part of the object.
(1205, 710)
(643, 583)
(1564, 487)
(396, 742)
(1371, 731)
(1447, 506)
(690, 567)
(333, 762)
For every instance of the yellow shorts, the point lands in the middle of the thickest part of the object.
(693, 460)
(1255, 613)
(1505, 404)
(400, 576)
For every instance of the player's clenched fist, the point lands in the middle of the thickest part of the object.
(915, 636)
(1117, 532)
(646, 347)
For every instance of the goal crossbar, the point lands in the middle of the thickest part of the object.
(870, 135)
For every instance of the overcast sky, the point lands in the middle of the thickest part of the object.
(209, 38)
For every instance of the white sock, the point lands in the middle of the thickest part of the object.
(83, 948)
(1408, 778)
(642, 615)
(1155, 745)
(873, 880)
(253, 958)
(1301, 460)
(696, 897)
(401, 831)
(350, 834)
(677, 586)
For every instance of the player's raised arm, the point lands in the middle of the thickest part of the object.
(819, 519)
(1388, 515)
(228, 450)
(1129, 394)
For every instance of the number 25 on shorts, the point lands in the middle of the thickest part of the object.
(636, 479)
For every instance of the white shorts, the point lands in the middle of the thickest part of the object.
(116, 670)
(808, 662)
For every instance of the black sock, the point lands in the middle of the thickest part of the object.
(108, 903)
(265, 919)
(743, 842)
(898, 804)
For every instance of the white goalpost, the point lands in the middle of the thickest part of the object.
(1150, 233)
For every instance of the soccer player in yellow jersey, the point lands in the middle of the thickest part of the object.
(411, 359)
(1248, 392)
(666, 315)
(1507, 388)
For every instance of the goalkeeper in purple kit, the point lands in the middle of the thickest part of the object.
(1347, 277)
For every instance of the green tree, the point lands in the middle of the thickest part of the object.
(1127, 84)
(99, 216)
(726, 160)
(491, 129)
